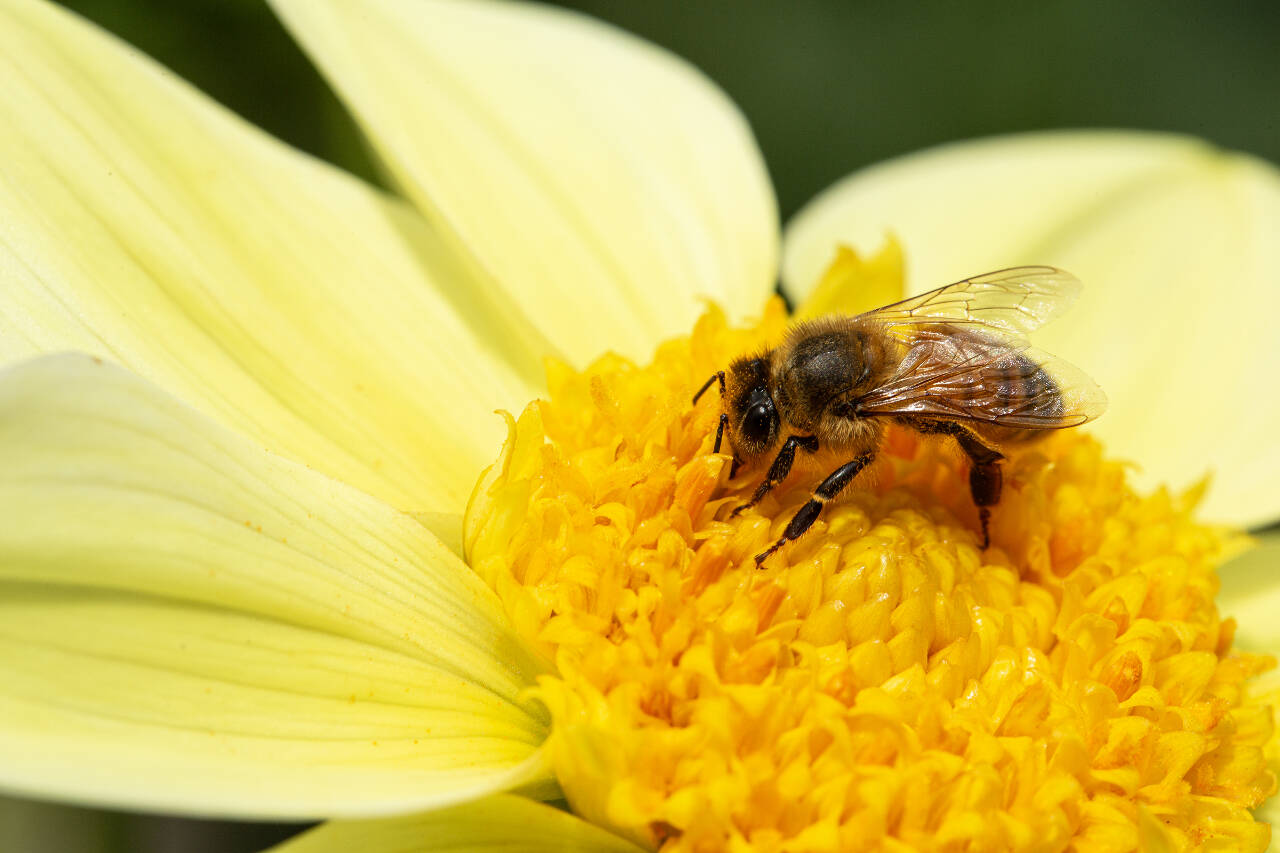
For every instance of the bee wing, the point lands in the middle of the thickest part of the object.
(1009, 302)
(956, 372)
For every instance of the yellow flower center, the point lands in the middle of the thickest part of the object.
(881, 683)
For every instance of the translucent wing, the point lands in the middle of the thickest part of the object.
(1007, 303)
(961, 373)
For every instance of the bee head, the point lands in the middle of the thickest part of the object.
(754, 424)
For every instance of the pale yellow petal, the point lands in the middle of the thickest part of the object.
(1251, 594)
(189, 623)
(498, 823)
(603, 183)
(328, 322)
(1175, 242)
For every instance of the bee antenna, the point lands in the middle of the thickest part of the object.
(719, 374)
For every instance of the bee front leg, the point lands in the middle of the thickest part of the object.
(780, 468)
(724, 419)
(826, 491)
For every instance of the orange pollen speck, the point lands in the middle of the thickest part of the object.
(881, 684)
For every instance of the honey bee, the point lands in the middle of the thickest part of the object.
(952, 362)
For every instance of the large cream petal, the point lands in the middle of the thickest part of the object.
(603, 183)
(492, 825)
(1251, 594)
(143, 223)
(192, 624)
(1175, 242)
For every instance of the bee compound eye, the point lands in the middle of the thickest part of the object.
(757, 423)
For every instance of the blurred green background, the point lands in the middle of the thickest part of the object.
(828, 86)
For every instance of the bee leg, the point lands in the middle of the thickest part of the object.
(985, 477)
(718, 375)
(826, 491)
(985, 482)
(780, 468)
(724, 422)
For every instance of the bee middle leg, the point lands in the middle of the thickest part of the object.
(826, 491)
(780, 468)
(986, 480)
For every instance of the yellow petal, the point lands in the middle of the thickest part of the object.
(144, 224)
(500, 823)
(603, 183)
(1250, 594)
(189, 623)
(853, 284)
(1175, 243)
(1266, 687)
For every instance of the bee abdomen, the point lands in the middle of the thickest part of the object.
(1018, 389)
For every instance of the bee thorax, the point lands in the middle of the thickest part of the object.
(821, 366)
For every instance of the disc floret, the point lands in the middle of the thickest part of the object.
(881, 683)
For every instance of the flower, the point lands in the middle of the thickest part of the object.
(881, 680)
(232, 529)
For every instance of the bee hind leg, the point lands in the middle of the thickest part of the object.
(827, 490)
(985, 478)
(985, 482)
